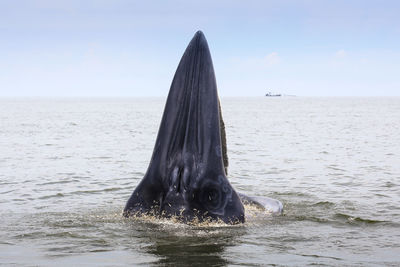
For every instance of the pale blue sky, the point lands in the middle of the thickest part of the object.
(132, 48)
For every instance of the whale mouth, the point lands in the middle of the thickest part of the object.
(186, 176)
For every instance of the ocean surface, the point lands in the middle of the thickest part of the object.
(68, 166)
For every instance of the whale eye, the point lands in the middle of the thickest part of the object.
(213, 196)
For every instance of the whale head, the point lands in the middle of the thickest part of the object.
(186, 176)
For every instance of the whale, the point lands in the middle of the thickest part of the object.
(187, 174)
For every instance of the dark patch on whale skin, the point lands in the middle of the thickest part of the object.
(186, 176)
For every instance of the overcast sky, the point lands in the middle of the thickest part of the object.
(132, 48)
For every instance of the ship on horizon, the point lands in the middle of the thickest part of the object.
(272, 94)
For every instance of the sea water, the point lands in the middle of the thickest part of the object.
(68, 166)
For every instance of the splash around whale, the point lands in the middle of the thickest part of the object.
(186, 177)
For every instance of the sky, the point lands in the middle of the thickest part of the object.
(132, 48)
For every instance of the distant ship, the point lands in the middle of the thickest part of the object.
(272, 94)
